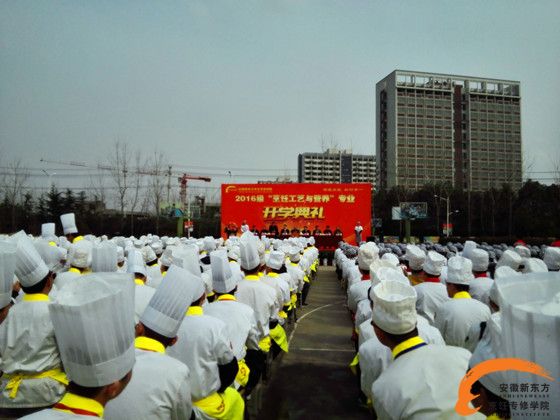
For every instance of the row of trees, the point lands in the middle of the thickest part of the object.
(533, 211)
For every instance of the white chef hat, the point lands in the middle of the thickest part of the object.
(167, 307)
(367, 253)
(505, 271)
(167, 256)
(552, 258)
(388, 274)
(120, 254)
(68, 221)
(51, 255)
(480, 259)
(459, 270)
(209, 243)
(48, 231)
(467, 248)
(104, 258)
(223, 280)
(523, 251)
(135, 262)
(434, 263)
(276, 260)
(30, 267)
(157, 247)
(81, 254)
(187, 258)
(294, 254)
(534, 265)
(488, 348)
(391, 259)
(7, 269)
(93, 322)
(511, 259)
(261, 249)
(394, 307)
(311, 241)
(149, 254)
(233, 253)
(415, 257)
(248, 251)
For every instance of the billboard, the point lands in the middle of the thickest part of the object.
(298, 206)
(414, 210)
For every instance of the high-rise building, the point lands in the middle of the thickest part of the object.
(440, 127)
(336, 166)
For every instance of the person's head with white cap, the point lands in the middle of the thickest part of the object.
(534, 265)
(68, 221)
(459, 275)
(80, 256)
(367, 254)
(503, 272)
(415, 257)
(394, 315)
(7, 268)
(523, 251)
(31, 271)
(208, 244)
(490, 396)
(248, 253)
(480, 260)
(48, 232)
(104, 258)
(275, 262)
(93, 321)
(157, 246)
(149, 255)
(162, 317)
(552, 258)
(433, 264)
(223, 279)
(511, 259)
(120, 256)
(233, 253)
(136, 265)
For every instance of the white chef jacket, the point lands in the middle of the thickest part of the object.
(240, 322)
(455, 319)
(262, 298)
(280, 285)
(202, 345)
(421, 384)
(363, 313)
(28, 345)
(430, 297)
(159, 389)
(142, 296)
(297, 274)
(154, 276)
(64, 278)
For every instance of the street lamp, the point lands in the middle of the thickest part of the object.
(447, 213)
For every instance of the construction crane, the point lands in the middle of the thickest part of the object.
(183, 195)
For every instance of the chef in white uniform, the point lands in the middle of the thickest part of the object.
(456, 317)
(30, 360)
(142, 292)
(431, 292)
(479, 287)
(94, 325)
(7, 268)
(203, 345)
(422, 380)
(160, 387)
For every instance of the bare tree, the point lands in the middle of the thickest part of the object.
(119, 167)
(157, 171)
(14, 182)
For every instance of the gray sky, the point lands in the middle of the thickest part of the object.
(250, 84)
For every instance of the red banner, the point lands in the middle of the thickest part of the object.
(298, 207)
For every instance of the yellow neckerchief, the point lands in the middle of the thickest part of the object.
(195, 311)
(139, 282)
(52, 243)
(261, 274)
(272, 274)
(226, 297)
(36, 297)
(76, 404)
(78, 239)
(153, 265)
(164, 273)
(75, 270)
(462, 295)
(149, 344)
(494, 417)
(252, 277)
(407, 345)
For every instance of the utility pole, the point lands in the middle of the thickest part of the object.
(168, 182)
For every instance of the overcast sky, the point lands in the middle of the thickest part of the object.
(250, 84)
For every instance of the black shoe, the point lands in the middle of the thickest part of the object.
(305, 304)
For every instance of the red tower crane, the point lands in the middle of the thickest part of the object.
(183, 195)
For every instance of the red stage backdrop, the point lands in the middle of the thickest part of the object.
(298, 205)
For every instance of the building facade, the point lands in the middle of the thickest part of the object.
(336, 166)
(434, 128)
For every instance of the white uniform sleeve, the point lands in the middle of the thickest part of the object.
(222, 347)
(182, 404)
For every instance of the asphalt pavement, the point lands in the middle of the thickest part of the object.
(313, 380)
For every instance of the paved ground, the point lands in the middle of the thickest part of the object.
(313, 380)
